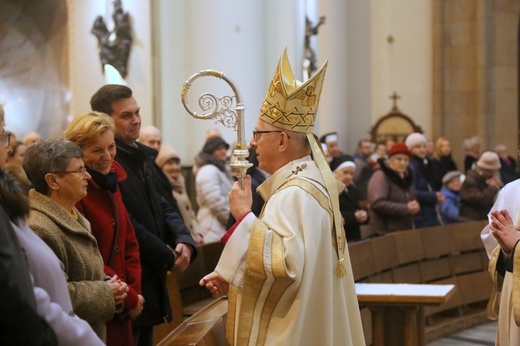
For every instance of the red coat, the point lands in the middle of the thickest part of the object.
(98, 208)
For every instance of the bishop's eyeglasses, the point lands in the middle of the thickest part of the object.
(257, 132)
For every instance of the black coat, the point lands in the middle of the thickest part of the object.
(156, 224)
(508, 171)
(423, 172)
(442, 165)
(348, 205)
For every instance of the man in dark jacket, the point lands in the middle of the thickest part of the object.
(165, 243)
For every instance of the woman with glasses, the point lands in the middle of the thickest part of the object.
(60, 180)
(104, 209)
(213, 183)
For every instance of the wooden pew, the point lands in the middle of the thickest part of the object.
(410, 252)
(384, 257)
(441, 255)
(186, 296)
(162, 330)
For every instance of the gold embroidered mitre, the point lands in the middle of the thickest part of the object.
(289, 104)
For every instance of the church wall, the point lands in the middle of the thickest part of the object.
(476, 73)
(403, 62)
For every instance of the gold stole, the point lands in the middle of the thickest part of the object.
(255, 279)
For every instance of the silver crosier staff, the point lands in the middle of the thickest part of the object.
(222, 111)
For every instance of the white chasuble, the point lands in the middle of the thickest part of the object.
(281, 267)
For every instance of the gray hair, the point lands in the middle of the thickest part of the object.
(300, 138)
(48, 156)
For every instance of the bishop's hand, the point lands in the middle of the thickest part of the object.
(241, 198)
(215, 284)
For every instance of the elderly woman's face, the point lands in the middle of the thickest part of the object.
(73, 181)
(345, 175)
(99, 154)
(399, 163)
(172, 167)
(220, 152)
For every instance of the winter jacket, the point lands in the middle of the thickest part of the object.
(105, 210)
(156, 225)
(388, 197)
(212, 184)
(423, 173)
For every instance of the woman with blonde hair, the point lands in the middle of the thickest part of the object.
(103, 207)
(442, 161)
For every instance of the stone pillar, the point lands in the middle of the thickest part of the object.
(476, 73)
(332, 113)
(208, 35)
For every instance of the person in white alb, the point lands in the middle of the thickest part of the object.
(288, 271)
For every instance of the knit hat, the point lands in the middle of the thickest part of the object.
(489, 160)
(414, 139)
(165, 153)
(450, 175)
(342, 161)
(399, 148)
(213, 143)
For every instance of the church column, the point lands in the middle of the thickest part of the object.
(332, 43)
(208, 35)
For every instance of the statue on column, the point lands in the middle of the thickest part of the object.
(309, 61)
(114, 46)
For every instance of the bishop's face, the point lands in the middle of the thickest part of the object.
(266, 144)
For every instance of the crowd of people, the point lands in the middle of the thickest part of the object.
(94, 221)
(93, 229)
(417, 183)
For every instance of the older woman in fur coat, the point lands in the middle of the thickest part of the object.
(60, 179)
(391, 194)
